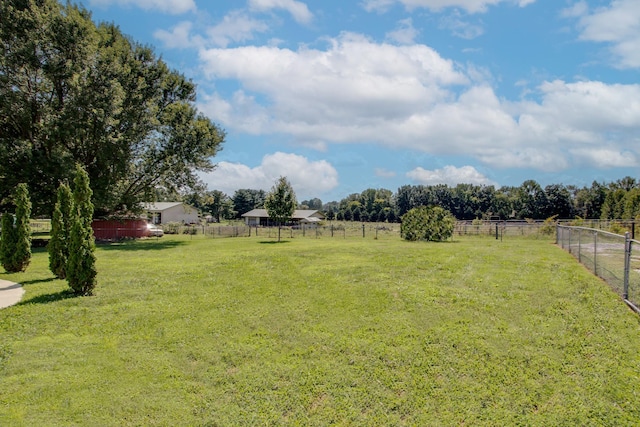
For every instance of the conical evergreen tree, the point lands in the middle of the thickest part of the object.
(81, 265)
(22, 255)
(8, 242)
(60, 232)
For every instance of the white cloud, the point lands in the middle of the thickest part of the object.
(173, 7)
(353, 79)
(449, 175)
(607, 158)
(308, 178)
(576, 10)
(470, 6)
(459, 27)
(404, 34)
(297, 9)
(409, 97)
(179, 37)
(618, 25)
(237, 26)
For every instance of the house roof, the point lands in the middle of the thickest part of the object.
(160, 206)
(297, 214)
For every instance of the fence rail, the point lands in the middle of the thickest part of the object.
(608, 255)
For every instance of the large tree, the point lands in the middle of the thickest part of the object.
(281, 202)
(74, 92)
(245, 200)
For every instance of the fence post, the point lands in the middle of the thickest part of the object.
(595, 253)
(362, 229)
(627, 263)
(580, 246)
(569, 240)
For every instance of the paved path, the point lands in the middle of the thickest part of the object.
(10, 293)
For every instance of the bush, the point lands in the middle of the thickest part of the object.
(431, 224)
(549, 226)
(171, 228)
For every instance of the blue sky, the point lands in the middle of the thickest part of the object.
(341, 96)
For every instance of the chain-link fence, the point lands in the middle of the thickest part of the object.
(609, 256)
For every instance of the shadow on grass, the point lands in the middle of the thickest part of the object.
(48, 298)
(34, 281)
(144, 245)
(273, 242)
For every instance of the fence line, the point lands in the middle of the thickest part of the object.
(608, 255)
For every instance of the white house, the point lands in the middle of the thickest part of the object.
(261, 217)
(165, 212)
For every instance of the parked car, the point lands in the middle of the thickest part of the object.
(154, 230)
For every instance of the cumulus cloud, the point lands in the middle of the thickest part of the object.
(617, 25)
(354, 78)
(449, 175)
(308, 178)
(410, 97)
(470, 6)
(174, 7)
(298, 10)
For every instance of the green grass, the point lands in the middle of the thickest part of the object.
(245, 331)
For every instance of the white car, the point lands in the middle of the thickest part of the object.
(154, 230)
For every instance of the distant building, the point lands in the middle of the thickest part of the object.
(261, 217)
(165, 212)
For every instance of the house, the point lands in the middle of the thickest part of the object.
(260, 217)
(165, 212)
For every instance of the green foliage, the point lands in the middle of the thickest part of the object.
(76, 92)
(8, 242)
(61, 222)
(245, 200)
(15, 248)
(431, 224)
(549, 226)
(22, 255)
(281, 202)
(81, 269)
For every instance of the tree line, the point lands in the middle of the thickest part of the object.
(614, 200)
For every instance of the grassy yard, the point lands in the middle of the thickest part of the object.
(321, 331)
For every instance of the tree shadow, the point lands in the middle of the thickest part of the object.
(48, 298)
(34, 281)
(139, 246)
(273, 242)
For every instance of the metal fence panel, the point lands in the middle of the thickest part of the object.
(609, 256)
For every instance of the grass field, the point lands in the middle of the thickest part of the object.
(244, 331)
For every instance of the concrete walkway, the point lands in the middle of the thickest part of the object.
(10, 293)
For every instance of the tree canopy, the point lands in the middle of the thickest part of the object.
(75, 92)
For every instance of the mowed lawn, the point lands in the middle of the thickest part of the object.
(362, 332)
